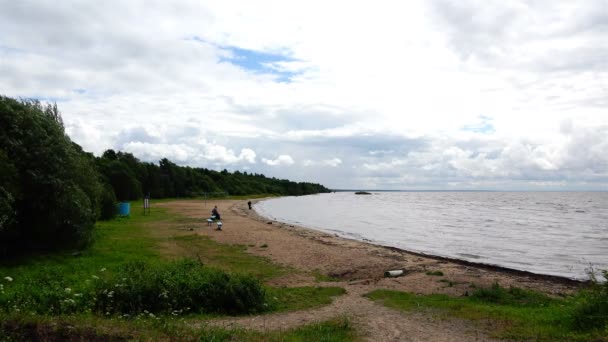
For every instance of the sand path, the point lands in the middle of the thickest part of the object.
(360, 266)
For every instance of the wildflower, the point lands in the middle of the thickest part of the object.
(95, 277)
(77, 294)
(68, 290)
(110, 294)
(103, 269)
(8, 278)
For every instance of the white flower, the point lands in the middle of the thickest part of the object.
(95, 277)
(103, 269)
(68, 290)
(77, 294)
(8, 278)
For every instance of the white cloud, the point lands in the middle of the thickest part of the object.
(282, 160)
(333, 162)
(436, 93)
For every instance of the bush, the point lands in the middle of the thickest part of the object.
(591, 311)
(137, 288)
(177, 287)
(108, 204)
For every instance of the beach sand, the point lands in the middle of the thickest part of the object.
(360, 268)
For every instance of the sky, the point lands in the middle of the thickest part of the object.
(433, 94)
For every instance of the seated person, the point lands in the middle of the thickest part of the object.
(215, 214)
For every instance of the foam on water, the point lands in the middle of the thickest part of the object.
(556, 233)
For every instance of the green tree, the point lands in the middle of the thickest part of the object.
(49, 189)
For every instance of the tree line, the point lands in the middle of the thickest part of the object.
(52, 191)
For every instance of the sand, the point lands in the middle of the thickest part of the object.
(360, 268)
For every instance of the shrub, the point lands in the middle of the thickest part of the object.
(108, 204)
(137, 288)
(591, 310)
(175, 288)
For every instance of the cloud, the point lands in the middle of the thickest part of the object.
(333, 162)
(201, 154)
(282, 160)
(427, 94)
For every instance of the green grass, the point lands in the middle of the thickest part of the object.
(507, 313)
(230, 258)
(322, 277)
(116, 242)
(87, 328)
(300, 298)
(435, 273)
(130, 239)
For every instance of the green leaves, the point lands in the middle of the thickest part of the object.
(49, 188)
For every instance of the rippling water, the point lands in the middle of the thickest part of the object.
(556, 233)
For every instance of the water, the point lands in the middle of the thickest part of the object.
(555, 233)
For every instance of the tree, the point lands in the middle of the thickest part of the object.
(49, 188)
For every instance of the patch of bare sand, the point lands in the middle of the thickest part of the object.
(361, 267)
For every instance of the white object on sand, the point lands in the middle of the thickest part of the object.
(393, 273)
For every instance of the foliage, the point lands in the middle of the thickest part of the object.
(434, 273)
(107, 204)
(51, 191)
(177, 287)
(138, 287)
(591, 310)
(131, 178)
(49, 188)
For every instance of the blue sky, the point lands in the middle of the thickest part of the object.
(259, 62)
(395, 95)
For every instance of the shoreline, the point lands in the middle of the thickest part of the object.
(415, 264)
(490, 267)
(317, 259)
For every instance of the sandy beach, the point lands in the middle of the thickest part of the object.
(360, 268)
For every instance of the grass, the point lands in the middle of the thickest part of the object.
(19, 328)
(513, 313)
(435, 273)
(322, 277)
(300, 298)
(231, 258)
(136, 239)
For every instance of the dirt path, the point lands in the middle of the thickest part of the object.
(373, 321)
(360, 267)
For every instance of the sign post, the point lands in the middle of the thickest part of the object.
(147, 204)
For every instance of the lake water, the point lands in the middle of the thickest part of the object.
(556, 233)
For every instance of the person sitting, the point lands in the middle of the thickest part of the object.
(215, 214)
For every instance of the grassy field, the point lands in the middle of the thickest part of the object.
(56, 294)
(513, 314)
